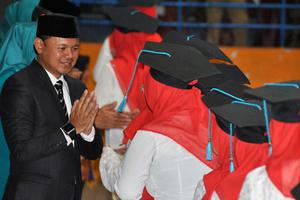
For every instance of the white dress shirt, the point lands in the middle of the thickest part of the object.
(67, 99)
(108, 90)
(258, 185)
(168, 171)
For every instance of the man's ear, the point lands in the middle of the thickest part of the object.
(39, 45)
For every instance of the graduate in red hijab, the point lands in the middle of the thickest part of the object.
(280, 176)
(113, 43)
(217, 149)
(223, 94)
(116, 63)
(248, 149)
(167, 152)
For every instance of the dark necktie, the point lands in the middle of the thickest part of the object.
(59, 90)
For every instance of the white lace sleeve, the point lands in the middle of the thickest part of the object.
(110, 167)
(257, 185)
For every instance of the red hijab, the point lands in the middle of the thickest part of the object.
(220, 150)
(283, 167)
(177, 113)
(170, 110)
(247, 156)
(115, 42)
(125, 48)
(117, 38)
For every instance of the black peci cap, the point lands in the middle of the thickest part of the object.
(228, 72)
(209, 50)
(172, 63)
(224, 94)
(60, 6)
(138, 2)
(57, 25)
(131, 20)
(284, 98)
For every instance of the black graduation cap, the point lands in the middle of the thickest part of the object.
(284, 98)
(277, 92)
(175, 65)
(229, 72)
(251, 134)
(82, 62)
(60, 6)
(225, 93)
(57, 25)
(138, 2)
(242, 114)
(247, 117)
(245, 120)
(211, 51)
(131, 19)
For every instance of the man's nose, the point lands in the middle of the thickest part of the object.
(68, 53)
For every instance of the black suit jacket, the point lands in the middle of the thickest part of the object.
(42, 165)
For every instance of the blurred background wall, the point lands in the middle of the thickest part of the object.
(261, 36)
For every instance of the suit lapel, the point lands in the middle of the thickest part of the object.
(40, 76)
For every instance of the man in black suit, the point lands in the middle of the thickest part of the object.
(46, 134)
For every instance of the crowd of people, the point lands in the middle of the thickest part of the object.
(179, 118)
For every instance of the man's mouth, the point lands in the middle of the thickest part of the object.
(67, 64)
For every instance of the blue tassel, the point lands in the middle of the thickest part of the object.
(267, 126)
(270, 149)
(230, 150)
(122, 104)
(208, 151)
(231, 166)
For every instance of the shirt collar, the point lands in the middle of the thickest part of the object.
(53, 78)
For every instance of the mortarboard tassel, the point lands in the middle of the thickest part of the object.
(266, 111)
(226, 94)
(122, 104)
(283, 85)
(267, 126)
(209, 144)
(208, 147)
(231, 167)
(208, 151)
